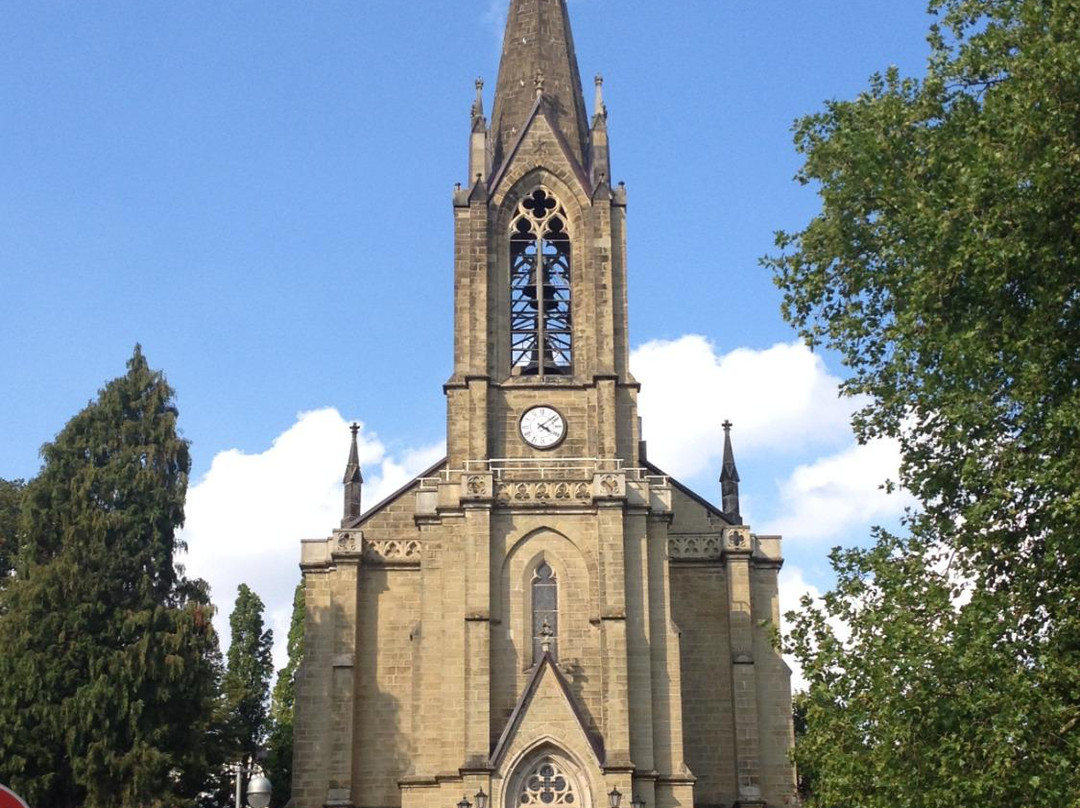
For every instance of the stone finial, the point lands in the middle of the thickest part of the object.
(478, 102)
(538, 81)
(599, 108)
(354, 480)
(729, 479)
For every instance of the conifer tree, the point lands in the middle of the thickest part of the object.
(110, 664)
(247, 675)
(280, 744)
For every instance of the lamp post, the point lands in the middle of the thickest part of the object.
(258, 789)
(614, 797)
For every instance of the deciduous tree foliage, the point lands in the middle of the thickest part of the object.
(280, 743)
(110, 663)
(10, 505)
(247, 675)
(943, 268)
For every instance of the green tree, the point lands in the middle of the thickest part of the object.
(280, 744)
(943, 268)
(10, 506)
(110, 664)
(247, 675)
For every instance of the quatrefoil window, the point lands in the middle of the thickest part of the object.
(547, 784)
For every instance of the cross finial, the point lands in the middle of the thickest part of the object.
(727, 425)
(354, 428)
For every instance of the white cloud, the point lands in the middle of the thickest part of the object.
(247, 515)
(780, 399)
(793, 586)
(836, 493)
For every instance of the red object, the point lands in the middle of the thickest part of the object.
(9, 799)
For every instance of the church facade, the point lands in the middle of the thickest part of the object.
(544, 617)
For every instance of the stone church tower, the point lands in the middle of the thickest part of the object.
(543, 618)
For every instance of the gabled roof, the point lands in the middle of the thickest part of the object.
(546, 666)
(712, 509)
(428, 472)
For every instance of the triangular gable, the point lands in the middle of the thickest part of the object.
(696, 497)
(547, 708)
(386, 501)
(540, 112)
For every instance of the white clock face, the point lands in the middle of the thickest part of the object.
(543, 427)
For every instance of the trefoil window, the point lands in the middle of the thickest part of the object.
(541, 338)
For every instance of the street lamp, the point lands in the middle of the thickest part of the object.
(614, 797)
(637, 802)
(481, 798)
(258, 789)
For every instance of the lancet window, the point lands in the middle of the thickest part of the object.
(545, 611)
(541, 338)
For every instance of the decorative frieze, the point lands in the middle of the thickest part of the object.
(542, 492)
(392, 551)
(709, 546)
(695, 547)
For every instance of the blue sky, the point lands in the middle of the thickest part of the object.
(259, 193)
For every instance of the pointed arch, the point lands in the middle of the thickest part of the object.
(547, 775)
(541, 287)
(545, 611)
(541, 279)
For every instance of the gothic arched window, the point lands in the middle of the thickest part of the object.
(541, 340)
(545, 610)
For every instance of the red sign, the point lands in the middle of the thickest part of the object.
(9, 799)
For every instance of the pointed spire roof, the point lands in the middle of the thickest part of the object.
(729, 480)
(352, 468)
(354, 483)
(728, 473)
(538, 61)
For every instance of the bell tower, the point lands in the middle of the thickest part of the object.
(543, 618)
(540, 262)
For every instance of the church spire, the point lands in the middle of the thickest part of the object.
(729, 479)
(354, 481)
(538, 60)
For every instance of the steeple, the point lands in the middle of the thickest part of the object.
(354, 481)
(538, 61)
(729, 479)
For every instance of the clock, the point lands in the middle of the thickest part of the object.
(542, 427)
